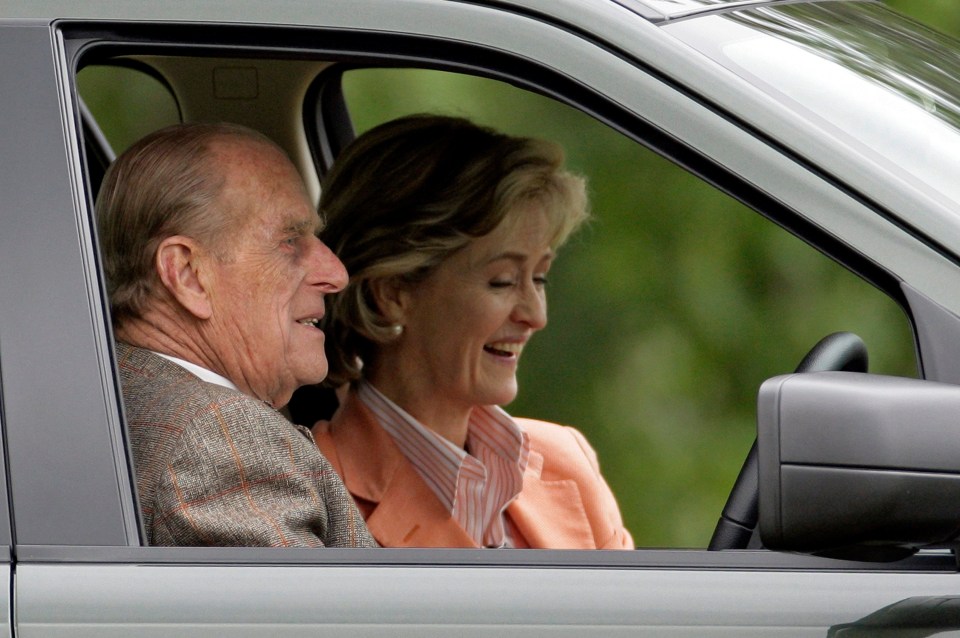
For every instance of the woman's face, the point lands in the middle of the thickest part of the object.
(466, 325)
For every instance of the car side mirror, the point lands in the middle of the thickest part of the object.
(858, 466)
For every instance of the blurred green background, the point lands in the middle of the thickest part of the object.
(666, 313)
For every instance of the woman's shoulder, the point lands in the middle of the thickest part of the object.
(536, 427)
(320, 428)
(553, 438)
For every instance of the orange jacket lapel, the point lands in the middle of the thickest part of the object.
(550, 513)
(403, 511)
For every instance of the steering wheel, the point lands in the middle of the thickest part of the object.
(736, 528)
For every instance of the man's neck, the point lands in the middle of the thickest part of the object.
(166, 338)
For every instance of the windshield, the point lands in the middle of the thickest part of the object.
(834, 62)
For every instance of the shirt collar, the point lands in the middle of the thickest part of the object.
(204, 374)
(493, 438)
(489, 426)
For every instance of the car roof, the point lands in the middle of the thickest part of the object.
(304, 12)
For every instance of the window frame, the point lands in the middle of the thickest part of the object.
(352, 48)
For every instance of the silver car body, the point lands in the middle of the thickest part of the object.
(73, 561)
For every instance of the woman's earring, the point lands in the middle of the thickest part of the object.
(395, 329)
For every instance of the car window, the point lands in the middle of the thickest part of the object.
(708, 267)
(127, 102)
(666, 313)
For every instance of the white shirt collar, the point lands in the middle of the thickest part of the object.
(202, 373)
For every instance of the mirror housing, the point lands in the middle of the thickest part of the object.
(858, 466)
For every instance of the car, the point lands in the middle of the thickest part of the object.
(838, 121)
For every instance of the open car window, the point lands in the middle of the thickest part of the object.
(667, 311)
(740, 214)
(127, 101)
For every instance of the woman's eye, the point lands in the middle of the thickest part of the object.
(501, 283)
(540, 280)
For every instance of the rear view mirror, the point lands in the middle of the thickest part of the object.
(858, 466)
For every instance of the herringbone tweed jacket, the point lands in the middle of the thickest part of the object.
(217, 467)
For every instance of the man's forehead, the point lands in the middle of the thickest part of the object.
(263, 229)
(264, 187)
(276, 224)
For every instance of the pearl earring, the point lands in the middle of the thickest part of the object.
(395, 329)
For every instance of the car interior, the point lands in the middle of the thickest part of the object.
(641, 318)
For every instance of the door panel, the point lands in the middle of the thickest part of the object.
(208, 600)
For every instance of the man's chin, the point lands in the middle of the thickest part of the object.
(314, 375)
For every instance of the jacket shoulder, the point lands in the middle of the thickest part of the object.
(562, 446)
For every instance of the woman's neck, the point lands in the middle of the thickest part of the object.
(443, 417)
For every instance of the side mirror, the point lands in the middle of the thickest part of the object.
(858, 466)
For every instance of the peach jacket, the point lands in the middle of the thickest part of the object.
(564, 503)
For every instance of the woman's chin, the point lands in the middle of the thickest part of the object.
(502, 396)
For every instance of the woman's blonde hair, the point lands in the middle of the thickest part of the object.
(406, 195)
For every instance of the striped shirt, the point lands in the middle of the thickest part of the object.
(475, 485)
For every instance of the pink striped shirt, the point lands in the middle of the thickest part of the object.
(476, 486)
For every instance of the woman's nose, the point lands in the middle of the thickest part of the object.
(531, 309)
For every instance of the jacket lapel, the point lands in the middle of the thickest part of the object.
(405, 512)
(410, 515)
(550, 513)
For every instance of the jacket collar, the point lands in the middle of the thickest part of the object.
(548, 513)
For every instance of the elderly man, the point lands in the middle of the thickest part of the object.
(217, 281)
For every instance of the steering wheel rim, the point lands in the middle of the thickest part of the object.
(736, 528)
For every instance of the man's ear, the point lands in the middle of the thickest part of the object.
(178, 263)
(391, 296)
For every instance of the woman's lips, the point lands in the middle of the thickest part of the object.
(504, 348)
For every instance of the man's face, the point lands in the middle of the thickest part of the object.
(267, 287)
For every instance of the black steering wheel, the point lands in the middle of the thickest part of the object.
(737, 527)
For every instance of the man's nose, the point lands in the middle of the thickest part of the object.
(326, 269)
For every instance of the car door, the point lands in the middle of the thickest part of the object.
(81, 568)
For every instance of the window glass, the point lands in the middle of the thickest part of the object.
(127, 103)
(666, 313)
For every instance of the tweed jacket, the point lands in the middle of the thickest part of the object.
(217, 467)
(564, 502)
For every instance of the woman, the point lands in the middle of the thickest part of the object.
(448, 231)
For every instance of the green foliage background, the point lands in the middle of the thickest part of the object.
(667, 312)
